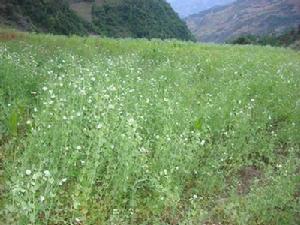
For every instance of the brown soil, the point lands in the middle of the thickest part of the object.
(247, 176)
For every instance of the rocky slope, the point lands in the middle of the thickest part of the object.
(257, 17)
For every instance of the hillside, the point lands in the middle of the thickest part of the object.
(144, 18)
(261, 17)
(112, 18)
(119, 131)
(42, 16)
(290, 38)
(188, 7)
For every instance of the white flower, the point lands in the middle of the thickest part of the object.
(166, 172)
(47, 173)
(99, 126)
(252, 99)
(202, 142)
(78, 147)
(130, 121)
(42, 198)
(35, 176)
(111, 106)
(28, 172)
(62, 181)
(45, 88)
(112, 88)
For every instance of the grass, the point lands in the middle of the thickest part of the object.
(103, 131)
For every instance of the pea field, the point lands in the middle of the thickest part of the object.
(120, 131)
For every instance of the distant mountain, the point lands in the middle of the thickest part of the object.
(112, 18)
(242, 17)
(188, 7)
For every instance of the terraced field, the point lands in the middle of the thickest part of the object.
(103, 131)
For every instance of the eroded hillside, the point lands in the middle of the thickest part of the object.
(245, 16)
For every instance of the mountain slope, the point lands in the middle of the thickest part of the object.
(42, 16)
(290, 38)
(144, 18)
(112, 18)
(189, 7)
(245, 17)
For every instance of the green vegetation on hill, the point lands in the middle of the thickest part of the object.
(44, 16)
(102, 131)
(290, 38)
(144, 18)
(112, 18)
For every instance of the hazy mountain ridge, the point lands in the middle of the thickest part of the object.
(244, 17)
(189, 7)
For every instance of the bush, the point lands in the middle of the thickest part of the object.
(288, 38)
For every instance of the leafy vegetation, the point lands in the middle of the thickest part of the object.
(146, 18)
(112, 18)
(102, 131)
(48, 16)
(288, 38)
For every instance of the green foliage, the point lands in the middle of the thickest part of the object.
(113, 18)
(145, 18)
(18, 90)
(198, 124)
(46, 16)
(12, 123)
(286, 39)
(148, 132)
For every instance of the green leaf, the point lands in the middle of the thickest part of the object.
(198, 124)
(12, 123)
